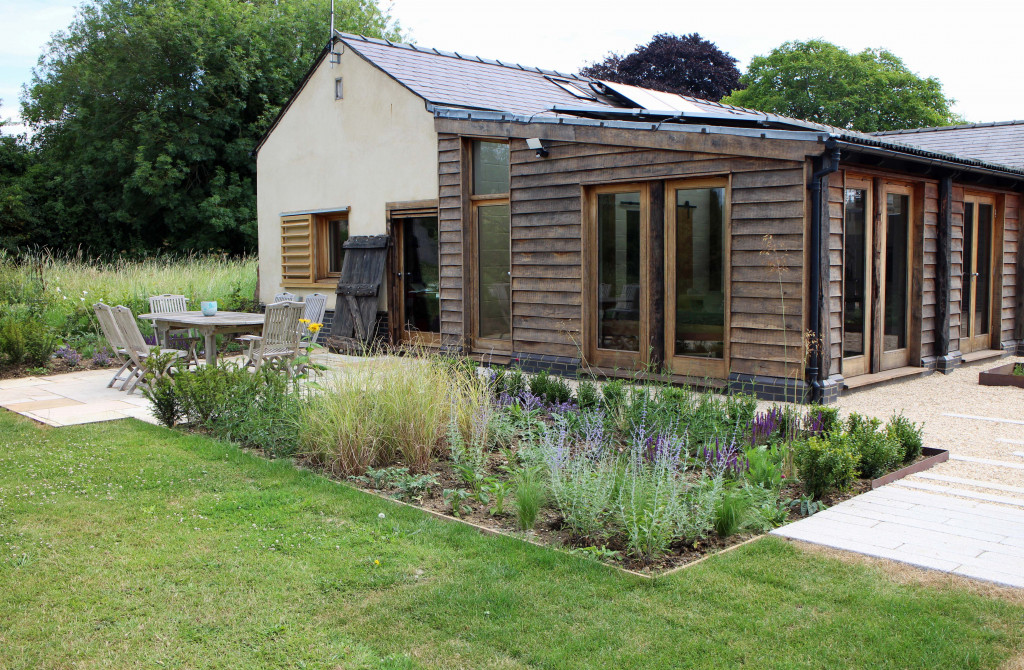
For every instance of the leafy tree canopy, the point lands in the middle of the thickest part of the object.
(145, 112)
(868, 91)
(687, 65)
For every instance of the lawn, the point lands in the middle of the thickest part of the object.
(125, 544)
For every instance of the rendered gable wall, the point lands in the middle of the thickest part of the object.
(377, 145)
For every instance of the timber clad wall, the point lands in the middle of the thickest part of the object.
(1011, 239)
(767, 198)
(956, 268)
(836, 205)
(929, 269)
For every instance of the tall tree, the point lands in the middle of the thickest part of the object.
(144, 114)
(687, 65)
(868, 91)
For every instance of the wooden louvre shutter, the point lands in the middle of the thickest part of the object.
(297, 249)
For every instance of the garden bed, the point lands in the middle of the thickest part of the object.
(1011, 374)
(645, 476)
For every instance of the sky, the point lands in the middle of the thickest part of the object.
(972, 47)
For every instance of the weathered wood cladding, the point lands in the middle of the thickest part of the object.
(1011, 271)
(546, 195)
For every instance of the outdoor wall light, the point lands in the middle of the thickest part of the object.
(538, 146)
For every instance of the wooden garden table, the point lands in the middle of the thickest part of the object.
(209, 326)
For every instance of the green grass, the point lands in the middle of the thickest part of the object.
(129, 545)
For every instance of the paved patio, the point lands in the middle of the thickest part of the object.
(73, 398)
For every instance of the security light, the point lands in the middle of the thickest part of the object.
(538, 146)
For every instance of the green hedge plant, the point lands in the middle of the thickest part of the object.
(825, 462)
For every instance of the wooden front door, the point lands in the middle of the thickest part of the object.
(417, 278)
(977, 287)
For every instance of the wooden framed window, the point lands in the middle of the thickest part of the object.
(858, 246)
(615, 300)
(979, 310)
(312, 247)
(489, 266)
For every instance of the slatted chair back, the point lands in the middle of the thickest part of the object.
(316, 305)
(167, 303)
(281, 328)
(134, 342)
(105, 315)
(285, 296)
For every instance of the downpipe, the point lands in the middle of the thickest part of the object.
(826, 164)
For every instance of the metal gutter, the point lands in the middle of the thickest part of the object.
(706, 129)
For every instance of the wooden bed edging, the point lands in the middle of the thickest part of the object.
(1001, 376)
(934, 457)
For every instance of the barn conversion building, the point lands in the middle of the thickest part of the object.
(556, 222)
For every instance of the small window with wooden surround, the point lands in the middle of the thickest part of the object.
(313, 247)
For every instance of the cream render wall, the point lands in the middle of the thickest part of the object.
(376, 145)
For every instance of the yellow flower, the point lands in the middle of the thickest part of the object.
(376, 562)
(315, 327)
(304, 322)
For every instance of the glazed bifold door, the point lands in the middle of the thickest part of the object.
(895, 262)
(617, 288)
(857, 245)
(976, 296)
(419, 279)
(696, 280)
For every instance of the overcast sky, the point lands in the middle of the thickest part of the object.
(972, 47)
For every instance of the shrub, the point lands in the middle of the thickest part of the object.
(558, 391)
(740, 408)
(614, 394)
(529, 496)
(908, 434)
(40, 343)
(515, 382)
(163, 395)
(539, 384)
(587, 395)
(825, 462)
(878, 450)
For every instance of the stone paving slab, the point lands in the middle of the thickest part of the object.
(926, 529)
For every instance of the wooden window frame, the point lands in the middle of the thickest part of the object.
(852, 366)
(473, 202)
(697, 366)
(304, 252)
(985, 340)
(594, 355)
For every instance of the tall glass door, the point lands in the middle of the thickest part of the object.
(896, 269)
(616, 295)
(419, 277)
(976, 293)
(857, 247)
(696, 295)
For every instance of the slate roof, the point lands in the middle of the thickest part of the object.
(1001, 143)
(450, 79)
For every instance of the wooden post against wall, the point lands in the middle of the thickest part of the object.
(943, 265)
(656, 274)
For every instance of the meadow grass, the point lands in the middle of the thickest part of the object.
(126, 545)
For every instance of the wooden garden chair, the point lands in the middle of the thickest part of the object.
(168, 303)
(105, 315)
(285, 296)
(137, 348)
(279, 343)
